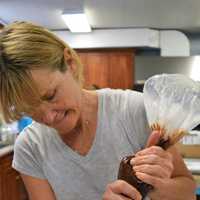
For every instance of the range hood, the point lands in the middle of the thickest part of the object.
(171, 43)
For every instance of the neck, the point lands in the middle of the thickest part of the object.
(81, 137)
(88, 107)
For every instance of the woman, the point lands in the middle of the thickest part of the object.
(73, 148)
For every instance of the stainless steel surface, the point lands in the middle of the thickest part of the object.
(193, 164)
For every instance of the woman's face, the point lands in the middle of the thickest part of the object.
(61, 99)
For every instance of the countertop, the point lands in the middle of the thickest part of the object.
(5, 150)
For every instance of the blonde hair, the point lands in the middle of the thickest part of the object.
(23, 47)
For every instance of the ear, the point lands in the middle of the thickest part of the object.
(67, 54)
(69, 60)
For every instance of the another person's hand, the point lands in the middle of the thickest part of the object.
(154, 166)
(121, 190)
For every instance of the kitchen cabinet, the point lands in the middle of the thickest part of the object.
(189, 151)
(1, 184)
(113, 68)
(193, 164)
(11, 185)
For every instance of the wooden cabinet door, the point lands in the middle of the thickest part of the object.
(11, 185)
(121, 69)
(95, 69)
(108, 68)
(12, 191)
(1, 183)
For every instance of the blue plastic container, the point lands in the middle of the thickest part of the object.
(24, 122)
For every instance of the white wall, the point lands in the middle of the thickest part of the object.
(146, 66)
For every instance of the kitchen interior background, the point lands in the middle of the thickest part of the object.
(146, 64)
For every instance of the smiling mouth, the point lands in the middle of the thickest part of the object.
(65, 114)
(62, 117)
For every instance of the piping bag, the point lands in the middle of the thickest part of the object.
(172, 105)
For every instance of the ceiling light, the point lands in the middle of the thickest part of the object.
(76, 21)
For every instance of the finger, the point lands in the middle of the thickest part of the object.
(110, 195)
(123, 188)
(146, 159)
(113, 196)
(153, 170)
(152, 159)
(154, 181)
(153, 139)
(125, 198)
(152, 150)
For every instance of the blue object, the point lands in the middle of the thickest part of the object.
(24, 122)
(198, 191)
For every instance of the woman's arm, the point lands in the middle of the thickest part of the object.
(38, 189)
(181, 186)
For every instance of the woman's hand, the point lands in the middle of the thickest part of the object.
(121, 190)
(154, 166)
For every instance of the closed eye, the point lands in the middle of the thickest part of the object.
(49, 97)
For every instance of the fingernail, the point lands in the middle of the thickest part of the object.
(138, 175)
(132, 161)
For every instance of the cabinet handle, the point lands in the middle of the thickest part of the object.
(17, 178)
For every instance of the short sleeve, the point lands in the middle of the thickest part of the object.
(136, 115)
(27, 159)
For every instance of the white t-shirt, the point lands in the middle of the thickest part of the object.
(121, 130)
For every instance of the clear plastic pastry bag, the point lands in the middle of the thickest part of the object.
(172, 103)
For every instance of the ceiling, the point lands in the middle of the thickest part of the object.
(159, 14)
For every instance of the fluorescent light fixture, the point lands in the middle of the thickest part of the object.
(76, 22)
(195, 72)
